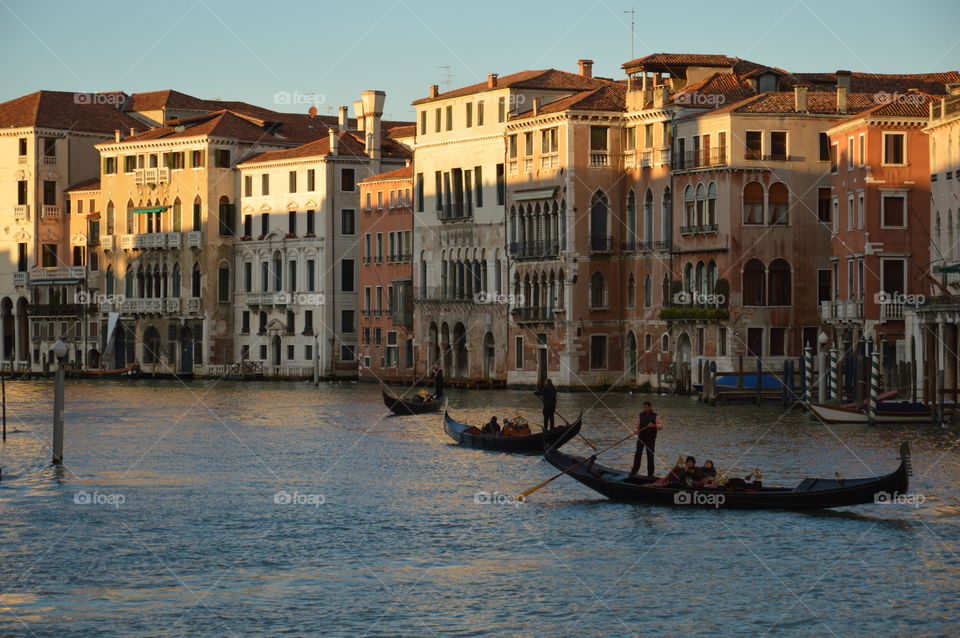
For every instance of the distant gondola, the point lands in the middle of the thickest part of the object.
(809, 494)
(401, 406)
(129, 372)
(469, 436)
(887, 412)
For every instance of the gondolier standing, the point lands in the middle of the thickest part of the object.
(548, 393)
(646, 428)
(437, 381)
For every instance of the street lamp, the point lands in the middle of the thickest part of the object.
(59, 381)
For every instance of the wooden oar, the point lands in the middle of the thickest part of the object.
(524, 494)
(585, 439)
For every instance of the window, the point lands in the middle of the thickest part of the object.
(22, 143)
(834, 158)
(291, 322)
(894, 148)
(518, 353)
(824, 147)
(850, 212)
(292, 222)
(528, 144)
(862, 155)
(308, 322)
(778, 339)
(227, 221)
(311, 180)
(223, 284)
(778, 145)
(197, 215)
(778, 279)
(311, 222)
(548, 141)
(630, 139)
(860, 209)
(110, 165)
(197, 159)
(247, 276)
(478, 185)
(265, 184)
(392, 352)
(449, 117)
(824, 204)
(824, 286)
(598, 291)
(754, 145)
(851, 160)
(779, 203)
(598, 352)
(512, 146)
(501, 109)
(437, 126)
(598, 138)
(346, 275)
(420, 192)
(753, 288)
(311, 275)
(753, 203)
(346, 321)
(49, 193)
(293, 181)
(423, 122)
(480, 113)
(21, 193)
(469, 114)
(755, 342)
(264, 223)
(347, 180)
(347, 222)
(222, 158)
(248, 186)
(501, 186)
(722, 341)
(893, 274)
(648, 136)
(893, 210)
(245, 322)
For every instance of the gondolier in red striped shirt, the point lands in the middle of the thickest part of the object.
(648, 423)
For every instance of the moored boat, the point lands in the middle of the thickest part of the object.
(402, 406)
(809, 494)
(128, 372)
(470, 436)
(887, 412)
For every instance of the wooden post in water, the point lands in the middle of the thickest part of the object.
(3, 390)
(874, 386)
(59, 381)
(759, 381)
(808, 389)
(740, 373)
(713, 383)
(941, 380)
(785, 386)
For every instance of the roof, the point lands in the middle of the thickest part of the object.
(407, 130)
(217, 124)
(66, 111)
(401, 173)
(909, 104)
(86, 185)
(545, 79)
(681, 59)
(776, 102)
(934, 83)
(610, 97)
(720, 88)
(348, 143)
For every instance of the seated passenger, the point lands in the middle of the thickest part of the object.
(706, 476)
(491, 427)
(673, 476)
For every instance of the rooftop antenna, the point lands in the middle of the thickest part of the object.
(633, 13)
(448, 76)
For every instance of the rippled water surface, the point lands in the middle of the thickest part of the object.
(164, 522)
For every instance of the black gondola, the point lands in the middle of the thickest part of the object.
(809, 494)
(399, 405)
(469, 436)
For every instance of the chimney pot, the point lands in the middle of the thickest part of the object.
(843, 78)
(841, 98)
(116, 135)
(586, 68)
(536, 105)
(133, 131)
(491, 80)
(333, 141)
(800, 98)
(434, 90)
(342, 118)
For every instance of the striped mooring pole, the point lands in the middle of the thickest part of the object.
(808, 370)
(832, 364)
(874, 385)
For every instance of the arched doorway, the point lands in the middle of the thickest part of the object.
(186, 351)
(119, 346)
(445, 349)
(6, 329)
(489, 356)
(277, 350)
(151, 345)
(682, 362)
(630, 360)
(22, 331)
(460, 350)
(93, 359)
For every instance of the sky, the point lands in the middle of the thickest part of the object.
(290, 55)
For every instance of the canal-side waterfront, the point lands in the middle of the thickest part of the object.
(281, 509)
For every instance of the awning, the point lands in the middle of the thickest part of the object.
(59, 282)
(951, 269)
(155, 209)
(535, 193)
(93, 216)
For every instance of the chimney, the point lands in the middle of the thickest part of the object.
(841, 99)
(116, 135)
(586, 68)
(660, 96)
(434, 90)
(342, 118)
(372, 115)
(800, 98)
(843, 79)
(492, 80)
(332, 136)
(358, 113)
(536, 105)
(133, 131)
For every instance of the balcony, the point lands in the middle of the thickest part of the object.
(532, 315)
(646, 158)
(704, 158)
(194, 239)
(534, 249)
(107, 242)
(632, 246)
(145, 241)
(51, 213)
(127, 242)
(19, 278)
(549, 161)
(600, 244)
(141, 306)
(193, 305)
(49, 160)
(662, 245)
(828, 311)
(171, 306)
(59, 310)
(174, 240)
(21, 212)
(664, 154)
(57, 273)
(142, 176)
(702, 229)
(630, 159)
(528, 165)
(599, 159)
(512, 167)
(891, 311)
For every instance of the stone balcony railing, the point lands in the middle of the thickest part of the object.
(50, 213)
(21, 212)
(143, 176)
(194, 239)
(57, 273)
(19, 278)
(107, 242)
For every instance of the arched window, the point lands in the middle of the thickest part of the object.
(665, 291)
(175, 282)
(712, 204)
(599, 209)
(647, 294)
(666, 215)
(631, 292)
(598, 291)
(197, 214)
(648, 219)
(753, 203)
(689, 207)
(712, 276)
(111, 218)
(701, 286)
(950, 250)
(647, 342)
(632, 220)
(753, 288)
(688, 278)
(151, 345)
(195, 281)
(110, 281)
(665, 343)
(779, 203)
(277, 271)
(778, 280)
(177, 214)
(701, 205)
(130, 221)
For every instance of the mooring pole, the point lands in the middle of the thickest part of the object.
(59, 381)
(874, 386)
(3, 390)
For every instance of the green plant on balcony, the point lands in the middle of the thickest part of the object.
(693, 313)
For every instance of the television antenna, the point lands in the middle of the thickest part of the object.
(633, 14)
(448, 76)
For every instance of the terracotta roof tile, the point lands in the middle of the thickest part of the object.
(61, 110)
(348, 143)
(934, 83)
(401, 173)
(217, 124)
(611, 97)
(547, 79)
(85, 185)
(714, 90)
(682, 59)
(407, 130)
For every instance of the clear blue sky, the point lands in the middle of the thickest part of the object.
(250, 51)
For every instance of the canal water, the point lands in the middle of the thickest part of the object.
(280, 509)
